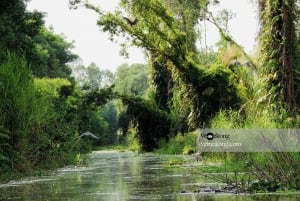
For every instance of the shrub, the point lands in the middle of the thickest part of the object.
(16, 108)
(180, 144)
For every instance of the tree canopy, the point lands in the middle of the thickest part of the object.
(49, 100)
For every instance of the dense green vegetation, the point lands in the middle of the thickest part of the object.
(43, 109)
(189, 90)
(53, 108)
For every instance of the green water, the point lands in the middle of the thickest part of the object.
(114, 176)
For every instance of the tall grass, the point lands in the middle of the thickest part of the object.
(16, 106)
(38, 122)
(132, 140)
(272, 170)
(180, 144)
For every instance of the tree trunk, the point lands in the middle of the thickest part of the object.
(278, 47)
(287, 55)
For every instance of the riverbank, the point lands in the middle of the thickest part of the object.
(234, 170)
(123, 175)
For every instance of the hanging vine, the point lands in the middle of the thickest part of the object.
(164, 34)
(278, 51)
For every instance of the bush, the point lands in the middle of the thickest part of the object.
(133, 141)
(268, 168)
(54, 136)
(258, 111)
(152, 123)
(16, 109)
(180, 144)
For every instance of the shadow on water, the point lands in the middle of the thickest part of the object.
(114, 176)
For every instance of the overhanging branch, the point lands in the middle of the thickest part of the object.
(229, 38)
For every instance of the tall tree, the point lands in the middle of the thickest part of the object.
(92, 76)
(18, 27)
(161, 81)
(158, 30)
(279, 49)
(23, 32)
(187, 14)
(51, 55)
(95, 76)
(154, 27)
(132, 79)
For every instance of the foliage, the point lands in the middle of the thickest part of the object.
(109, 114)
(132, 79)
(18, 27)
(179, 144)
(17, 96)
(188, 13)
(159, 32)
(92, 76)
(161, 82)
(51, 55)
(23, 32)
(279, 51)
(260, 109)
(164, 78)
(54, 133)
(165, 30)
(176, 161)
(280, 168)
(39, 119)
(99, 97)
(150, 129)
(132, 140)
(180, 90)
(98, 114)
(215, 89)
(123, 122)
(38, 116)
(267, 168)
(5, 149)
(94, 122)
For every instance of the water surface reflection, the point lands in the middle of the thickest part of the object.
(122, 176)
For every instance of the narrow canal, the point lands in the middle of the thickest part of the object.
(122, 176)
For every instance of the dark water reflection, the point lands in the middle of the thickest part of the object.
(114, 176)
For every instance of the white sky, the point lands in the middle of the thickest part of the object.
(92, 45)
